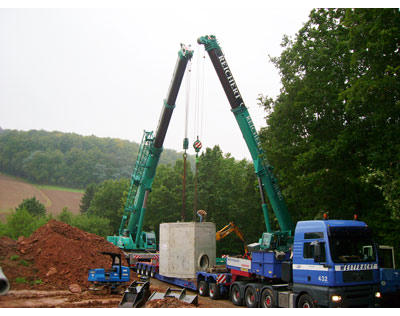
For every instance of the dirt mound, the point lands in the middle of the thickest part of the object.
(169, 302)
(7, 244)
(56, 254)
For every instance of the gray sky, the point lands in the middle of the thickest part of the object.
(106, 71)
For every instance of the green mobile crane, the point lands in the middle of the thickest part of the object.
(279, 239)
(131, 237)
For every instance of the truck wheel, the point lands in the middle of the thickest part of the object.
(250, 297)
(213, 291)
(235, 295)
(203, 288)
(152, 273)
(267, 299)
(305, 301)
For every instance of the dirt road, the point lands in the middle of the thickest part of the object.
(66, 299)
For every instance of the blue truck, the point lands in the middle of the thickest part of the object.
(333, 263)
(389, 277)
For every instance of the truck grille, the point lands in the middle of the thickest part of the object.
(357, 276)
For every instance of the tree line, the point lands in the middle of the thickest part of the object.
(333, 131)
(68, 159)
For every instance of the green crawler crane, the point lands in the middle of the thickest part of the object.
(131, 237)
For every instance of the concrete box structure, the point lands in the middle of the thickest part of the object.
(186, 248)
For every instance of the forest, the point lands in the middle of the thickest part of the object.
(332, 135)
(68, 159)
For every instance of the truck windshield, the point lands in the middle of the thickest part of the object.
(351, 244)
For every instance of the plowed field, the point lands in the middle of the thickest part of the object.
(13, 191)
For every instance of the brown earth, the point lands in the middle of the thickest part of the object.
(50, 269)
(14, 191)
(60, 199)
(54, 257)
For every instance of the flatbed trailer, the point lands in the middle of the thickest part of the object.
(211, 284)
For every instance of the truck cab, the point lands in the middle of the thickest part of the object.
(389, 277)
(335, 263)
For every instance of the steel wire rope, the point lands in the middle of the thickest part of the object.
(186, 140)
(198, 117)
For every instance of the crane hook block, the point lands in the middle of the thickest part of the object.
(197, 145)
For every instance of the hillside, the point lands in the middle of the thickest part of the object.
(68, 159)
(13, 191)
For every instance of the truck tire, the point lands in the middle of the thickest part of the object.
(267, 299)
(250, 297)
(235, 295)
(213, 291)
(305, 301)
(203, 288)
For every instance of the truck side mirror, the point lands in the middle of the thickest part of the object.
(317, 251)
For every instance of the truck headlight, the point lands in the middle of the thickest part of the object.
(378, 295)
(336, 298)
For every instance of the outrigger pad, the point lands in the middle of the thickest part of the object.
(180, 294)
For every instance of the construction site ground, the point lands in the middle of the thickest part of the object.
(67, 299)
(50, 269)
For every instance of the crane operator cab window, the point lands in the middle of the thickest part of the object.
(150, 239)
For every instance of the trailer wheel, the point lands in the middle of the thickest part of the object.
(250, 297)
(203, 288)
(235, 295)
(305, 301)
(267, 299)
(213, 291)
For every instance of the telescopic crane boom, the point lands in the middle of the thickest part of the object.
(131, 237)
(263, 169)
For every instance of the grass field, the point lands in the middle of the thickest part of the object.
(13, 191)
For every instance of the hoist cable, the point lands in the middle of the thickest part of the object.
(201, 106)
(189, 70)
(185, 140)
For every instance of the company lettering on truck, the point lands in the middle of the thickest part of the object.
(357, 267)
(347, 267)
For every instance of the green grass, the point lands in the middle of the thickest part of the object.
(43, 186)
(6, 211)
(14, 257)
(20, 280)
(53, 187)
(24, 263)
(38, 281)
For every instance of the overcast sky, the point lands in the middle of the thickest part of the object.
(105, 72)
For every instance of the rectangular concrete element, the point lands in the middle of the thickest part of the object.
(186, 248)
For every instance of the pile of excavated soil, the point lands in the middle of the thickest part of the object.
(169, 302)
(56, 254)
